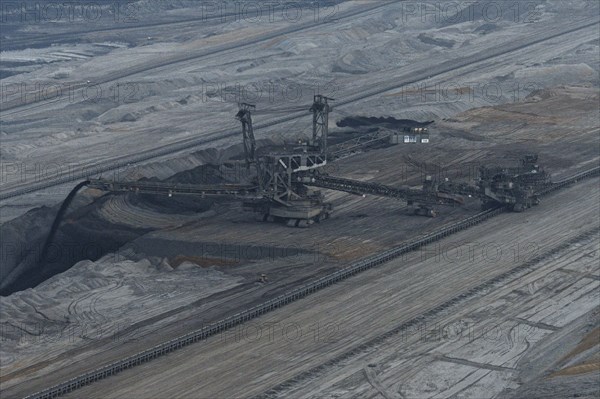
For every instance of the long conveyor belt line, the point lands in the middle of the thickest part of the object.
(282, 300)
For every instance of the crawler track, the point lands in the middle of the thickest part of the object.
(186, 145)
(289, 297)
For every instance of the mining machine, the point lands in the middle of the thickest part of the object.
(276, 194)
(285, 183)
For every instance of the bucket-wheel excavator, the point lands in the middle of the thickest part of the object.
(285, 184)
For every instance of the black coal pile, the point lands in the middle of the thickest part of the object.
(30, 259)
(30, 254)
(389, 122)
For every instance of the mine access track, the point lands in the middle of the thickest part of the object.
(289, 297)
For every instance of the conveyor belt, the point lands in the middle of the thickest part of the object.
(382, 190)
(200, 190)
(357, 144)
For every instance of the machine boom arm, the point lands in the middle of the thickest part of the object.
(361, 188)
(199, 190)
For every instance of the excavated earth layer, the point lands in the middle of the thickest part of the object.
(97, 225)
(185, 236)
(185, 262)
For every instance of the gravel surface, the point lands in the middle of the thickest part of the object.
(132, 271)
